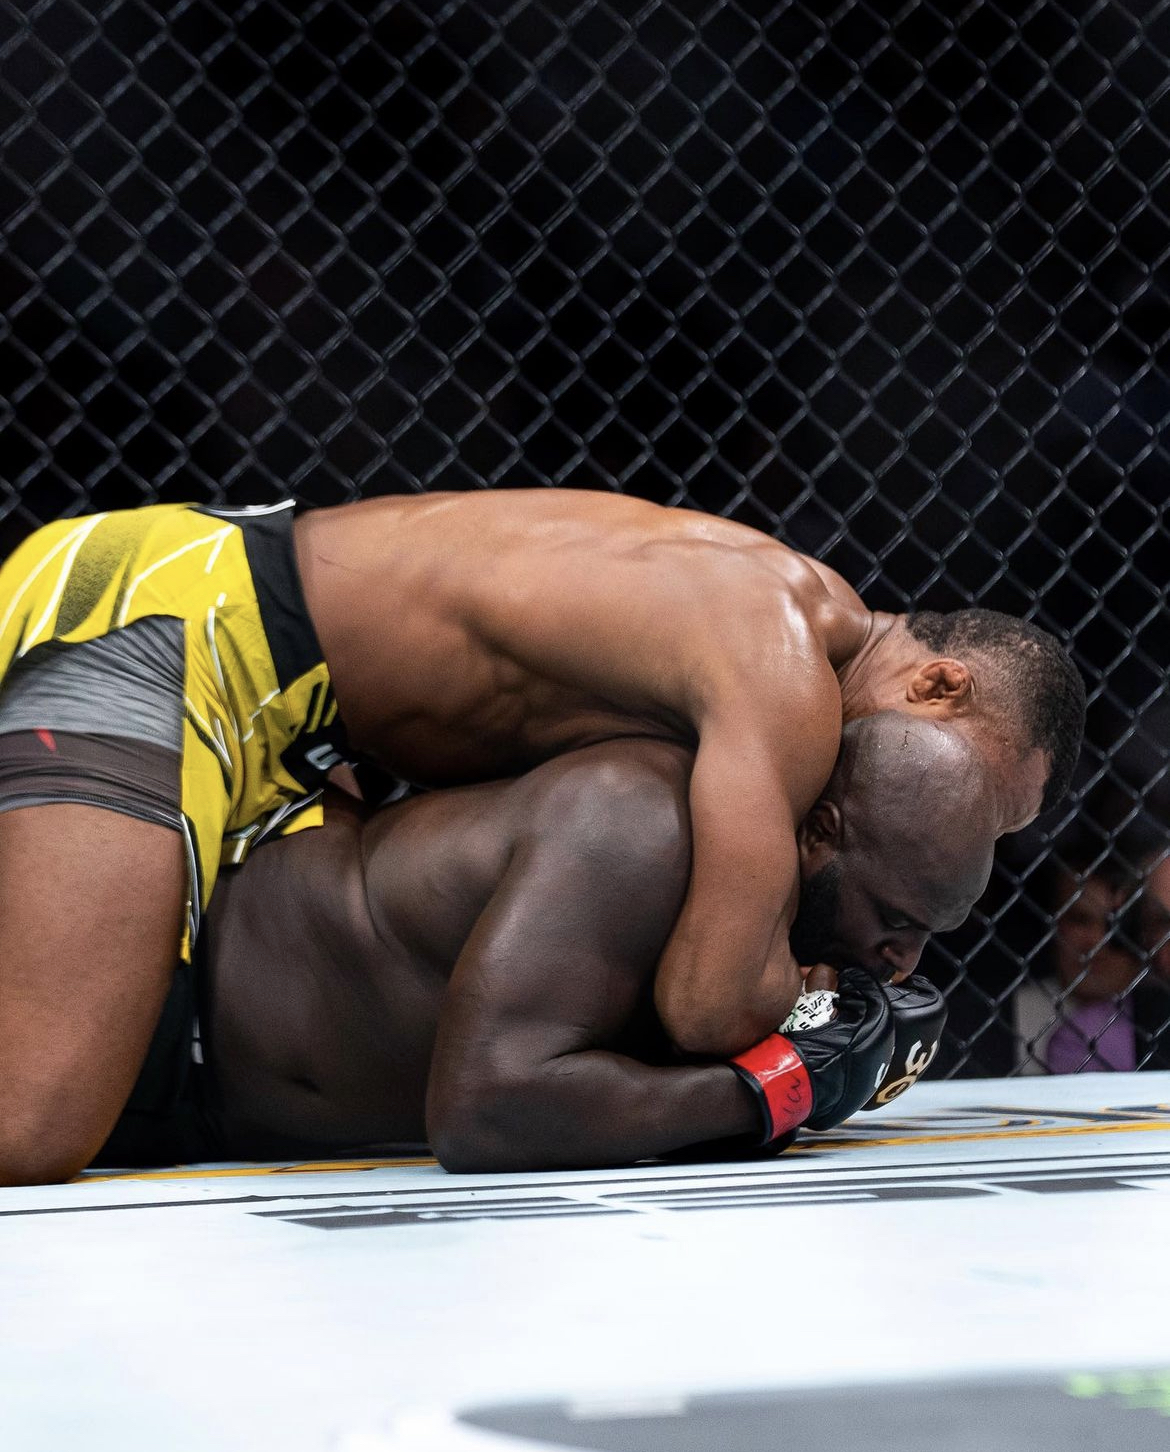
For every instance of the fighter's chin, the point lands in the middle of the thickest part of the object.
(809, 951)
(884, 972)
(840, 956)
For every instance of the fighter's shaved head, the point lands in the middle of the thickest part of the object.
(900, 844)
(903, 782)
(891, 753)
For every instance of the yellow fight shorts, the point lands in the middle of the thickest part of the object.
(259, 723)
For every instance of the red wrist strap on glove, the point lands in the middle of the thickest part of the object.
(776, 1072)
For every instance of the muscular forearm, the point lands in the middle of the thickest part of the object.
(727, 976)
(717, 1004)
(586, 1109)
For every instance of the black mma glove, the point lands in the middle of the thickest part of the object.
(818, 1077)
(920, 1015)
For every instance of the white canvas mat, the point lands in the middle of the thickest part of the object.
(1005, 1233)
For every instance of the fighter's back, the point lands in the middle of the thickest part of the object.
(318, 1019)
(473, 635)
(328, 953)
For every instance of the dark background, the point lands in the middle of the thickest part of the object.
(891, 288)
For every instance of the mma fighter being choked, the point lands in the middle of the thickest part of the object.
(474, 969)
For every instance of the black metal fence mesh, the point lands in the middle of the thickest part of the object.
(886, 281)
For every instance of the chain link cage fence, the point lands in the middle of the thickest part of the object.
(887, 282)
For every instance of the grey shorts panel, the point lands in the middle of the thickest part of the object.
(130, 684)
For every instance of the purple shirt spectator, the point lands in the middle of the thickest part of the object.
(1093, 1037)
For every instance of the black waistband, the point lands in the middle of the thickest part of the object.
(268, 544)
(321, 742)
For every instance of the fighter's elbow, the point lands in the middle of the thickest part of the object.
(461, 1145)
(459, 1153)
(470, 1154)
(480, 1132)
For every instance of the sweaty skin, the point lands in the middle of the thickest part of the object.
(474, 968)
(475, 636)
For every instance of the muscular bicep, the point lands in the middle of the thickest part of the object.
(547, 963)
(553, 967)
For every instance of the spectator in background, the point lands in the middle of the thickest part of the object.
(1155, 914)
(1101, 1008)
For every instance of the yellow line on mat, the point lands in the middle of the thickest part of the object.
(805, 1146)
(321, 1167)
(974, 1136)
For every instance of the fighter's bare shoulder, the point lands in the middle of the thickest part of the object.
(616, 810)
(839, 590)
(752, 574)
(773, 629)
(624, 783)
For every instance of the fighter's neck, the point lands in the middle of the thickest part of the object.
(873, 678)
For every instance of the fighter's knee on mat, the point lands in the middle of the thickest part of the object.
(33, 1152)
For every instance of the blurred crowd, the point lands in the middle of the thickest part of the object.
(1074, 973)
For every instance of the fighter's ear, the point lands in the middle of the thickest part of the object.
(818, 837)
(946, 684)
